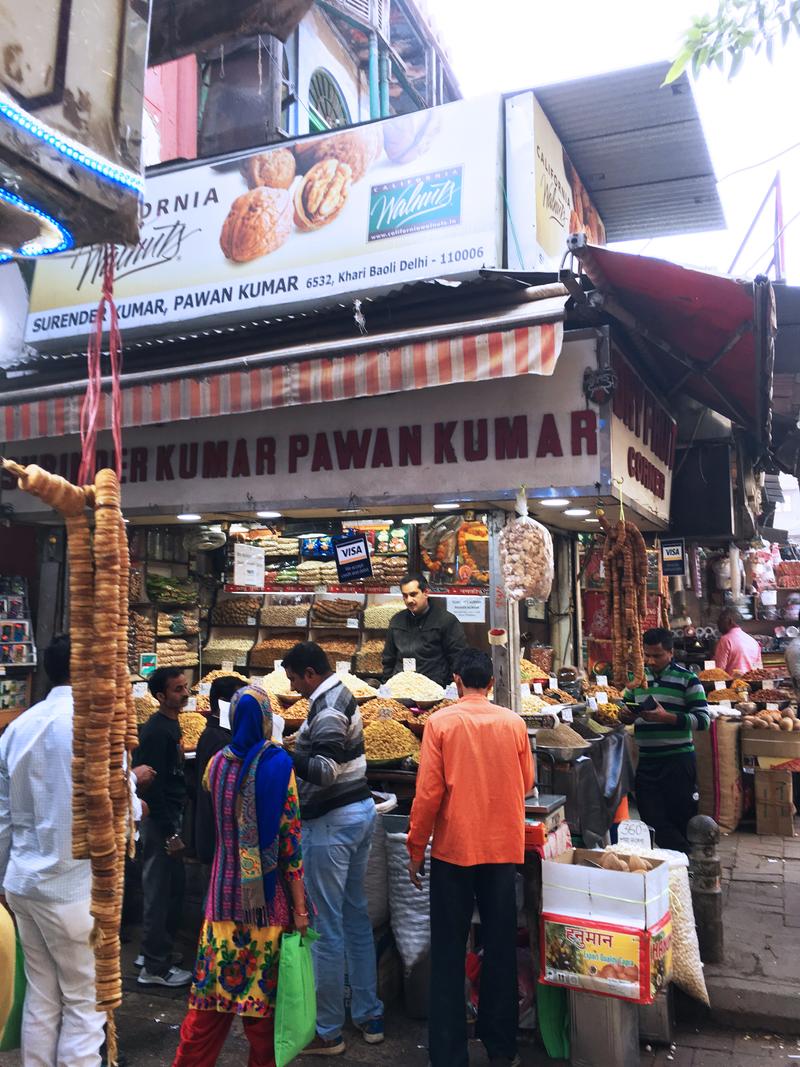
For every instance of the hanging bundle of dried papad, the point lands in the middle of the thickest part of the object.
(625, 561)
(104, 718)
(104, 715)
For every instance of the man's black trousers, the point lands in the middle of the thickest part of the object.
(454, 891)
(665, 791)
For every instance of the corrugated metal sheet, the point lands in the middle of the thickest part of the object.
(640, 150)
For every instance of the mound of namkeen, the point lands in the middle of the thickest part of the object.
(298, 710)
(530, 672)
(192, 725)
(144, 706)
(212, 676)
(385, 708)
(378, 616)
(409, 685)
(277, 682)
(359, 689)
(387, 740)
(714, 674)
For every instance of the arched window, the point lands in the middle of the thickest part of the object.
(326, 102)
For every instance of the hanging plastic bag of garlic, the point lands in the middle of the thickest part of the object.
(526, 555)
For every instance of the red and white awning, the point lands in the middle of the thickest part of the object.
(530, 349)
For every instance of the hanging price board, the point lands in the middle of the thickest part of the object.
(227, 666)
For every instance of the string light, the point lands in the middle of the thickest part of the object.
(77, 153)
(60, 241)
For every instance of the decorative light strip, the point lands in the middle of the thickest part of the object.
(77, 153)
(36, 247)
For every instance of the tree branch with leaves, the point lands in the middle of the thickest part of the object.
(739, 28)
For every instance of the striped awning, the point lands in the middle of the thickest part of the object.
(530, 349)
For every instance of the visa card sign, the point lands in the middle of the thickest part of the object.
(352, 557)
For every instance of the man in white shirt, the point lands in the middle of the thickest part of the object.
(47, 891)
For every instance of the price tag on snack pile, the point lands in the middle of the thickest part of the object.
(251, 620)
(566, 714)
(552, 682)
(773, 707)
(140, 689)
(725, 704)
(383, 691)
(227, 666)
(342, 666)
(409, 664)
(592, 702)
(601, 680)
(300, 621)
(191, 704)
(524, 691)
(710, 665)
(385, 713)
(537, 688)
(205, 689)
(720, 685)
(352, 624)
(601, 698)
(277, 664)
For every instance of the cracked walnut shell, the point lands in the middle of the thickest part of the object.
(322, 194)
(275, 169)
(258, 222)
(359, 149)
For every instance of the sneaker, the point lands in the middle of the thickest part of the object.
(139, 962)
(325, 1046)
(173, 979)
(371, 1031)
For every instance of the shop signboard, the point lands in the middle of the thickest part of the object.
(248, 566)
(352, 559)
(476, 441)
(643, 440)
(415, 196)
(467, 608)
(547, 200)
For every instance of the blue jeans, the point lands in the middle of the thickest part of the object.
(335, 855)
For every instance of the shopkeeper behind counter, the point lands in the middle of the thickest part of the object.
(425, 632)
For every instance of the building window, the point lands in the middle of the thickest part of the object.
(327, 105)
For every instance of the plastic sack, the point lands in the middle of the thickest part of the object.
(12, 983)
(526, 556)
(376, 880)
(296, 1003)
(687, 967)
(410, 908)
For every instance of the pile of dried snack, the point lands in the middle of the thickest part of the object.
(222, 647)
(409, 685)
(531, 672)
(359, 689)
(714, 674)
(338, 648)
(283, 614)
(716, 696)
(297, 710)
(145, 706)
(177, 624)
(386, 739)
(212, 676)
(335, 612)
(192, 725)
(385, 708)
(609, 690)
(378, 616)
(271, 648)
(177, 652)
(369, 658)
(561, 736)
(236, 611)
(280, 546)
(141, 636)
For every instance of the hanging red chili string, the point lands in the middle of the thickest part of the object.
(90, 408)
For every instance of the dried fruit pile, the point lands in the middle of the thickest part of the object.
(378, 616)
(388, 740)
(237, 611)
(714, 674)
(104, 720)
(625, 560)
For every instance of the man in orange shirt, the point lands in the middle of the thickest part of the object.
(475, 769)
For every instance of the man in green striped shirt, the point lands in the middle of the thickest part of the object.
(666, 781)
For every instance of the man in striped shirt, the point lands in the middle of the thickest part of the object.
(666, 785)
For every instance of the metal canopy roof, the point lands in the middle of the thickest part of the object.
(639, 149)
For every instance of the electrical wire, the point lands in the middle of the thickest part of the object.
(761, 163)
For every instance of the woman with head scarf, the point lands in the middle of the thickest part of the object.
(256, 891)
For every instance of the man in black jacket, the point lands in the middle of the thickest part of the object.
(163, 878)
(425, 632)
(212, 740)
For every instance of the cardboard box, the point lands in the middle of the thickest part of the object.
(620, 898)
(777, 743)
(774, 804)
(614, 961)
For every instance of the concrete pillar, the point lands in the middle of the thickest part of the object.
(706, 872)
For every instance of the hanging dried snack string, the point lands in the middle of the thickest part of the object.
(625, 562)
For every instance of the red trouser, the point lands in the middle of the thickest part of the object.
(203, 1034)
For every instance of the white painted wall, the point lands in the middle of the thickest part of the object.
(319, 46)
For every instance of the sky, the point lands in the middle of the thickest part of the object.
(526, 43)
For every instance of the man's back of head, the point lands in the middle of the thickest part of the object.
(56, 660)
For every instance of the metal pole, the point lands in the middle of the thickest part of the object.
(374, 96)
(578, 601)
(383, 65)
(505, 694)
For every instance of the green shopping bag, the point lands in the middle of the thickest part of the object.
(11, 1026)
(296, 1006)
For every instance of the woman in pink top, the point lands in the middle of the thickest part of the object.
(736, 650)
